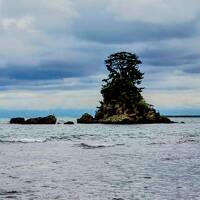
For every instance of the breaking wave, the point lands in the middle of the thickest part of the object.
(23, 140)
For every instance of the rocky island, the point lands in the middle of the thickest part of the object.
(51, 119)
(122, 101)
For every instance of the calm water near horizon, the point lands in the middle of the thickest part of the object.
(100, 162)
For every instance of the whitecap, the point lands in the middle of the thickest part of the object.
(23, 140)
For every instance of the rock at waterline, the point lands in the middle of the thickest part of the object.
(69, 123)
(86, 119)
(51, 119)
(123, 119)
(17, 120)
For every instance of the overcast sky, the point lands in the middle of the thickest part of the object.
(52, 52)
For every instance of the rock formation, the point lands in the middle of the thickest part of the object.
(86, 119)
(51, 119)
(18, 120)
(123, 102)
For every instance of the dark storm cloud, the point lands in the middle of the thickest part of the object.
(193, 70)
(48, 85)
(104, 28)
(49, 75)
(46, 71)
(171, 57)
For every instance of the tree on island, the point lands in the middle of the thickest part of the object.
(123, 79)
(122, 100)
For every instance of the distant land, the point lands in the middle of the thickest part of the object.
(184, 116)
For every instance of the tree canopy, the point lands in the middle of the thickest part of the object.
(124, 77)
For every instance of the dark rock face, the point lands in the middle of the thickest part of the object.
(51, 119)
(69, 123)
(39, 120)
(123, 112)
(42, 120)
(18, 120)
(86, 119)
(116, 113)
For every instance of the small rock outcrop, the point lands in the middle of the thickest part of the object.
(123, 102)
(51, 119)
(18, 120)
(86, 119)
(69, 123)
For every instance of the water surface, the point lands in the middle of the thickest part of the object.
(100, 162)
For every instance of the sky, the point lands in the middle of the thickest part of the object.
(52, 52)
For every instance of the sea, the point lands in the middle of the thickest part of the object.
(100, 162)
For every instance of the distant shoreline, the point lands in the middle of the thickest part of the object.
(183, 116)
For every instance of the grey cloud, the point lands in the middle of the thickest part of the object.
(193, 69)
(86, 39)
(101, 26)
(167, 56)
(46, 71)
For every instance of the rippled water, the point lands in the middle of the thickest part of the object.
(100, 162)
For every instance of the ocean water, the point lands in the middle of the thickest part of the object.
(100, 162)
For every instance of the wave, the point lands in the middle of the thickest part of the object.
(12, 192)
(76, 137)
(187, 141)
(95, 145)
(157, 143)
(39, 140)
(59, 138)
(72, 137)
(23, 140)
